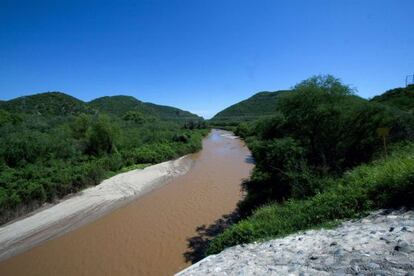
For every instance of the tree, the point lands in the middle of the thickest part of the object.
(101, 136)
(134, 116)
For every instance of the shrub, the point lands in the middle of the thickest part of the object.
(20, 148)
(182, 138)
(135, 116)
(101, 137)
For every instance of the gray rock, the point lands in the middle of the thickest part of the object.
(380, 244)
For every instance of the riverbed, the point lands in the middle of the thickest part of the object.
(149, 235)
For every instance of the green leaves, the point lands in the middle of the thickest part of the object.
(135, 116)
(325, 84)
(101, 136)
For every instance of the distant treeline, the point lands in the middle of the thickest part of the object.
(263, 105)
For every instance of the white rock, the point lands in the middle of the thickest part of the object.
(354, 247)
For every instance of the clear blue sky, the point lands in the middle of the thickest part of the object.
(201, 55)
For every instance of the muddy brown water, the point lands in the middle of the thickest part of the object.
(149, 235)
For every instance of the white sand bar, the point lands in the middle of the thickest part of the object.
(86, 206)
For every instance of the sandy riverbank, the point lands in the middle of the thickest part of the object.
(86, 206)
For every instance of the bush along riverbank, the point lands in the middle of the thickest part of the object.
(321, 160)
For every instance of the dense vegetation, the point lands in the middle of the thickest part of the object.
(119, 105)
(320, 159)
(52, 144)
(401, 98)
(381, 184)
(258, 106)
(47, 104)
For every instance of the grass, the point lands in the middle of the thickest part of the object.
(381, 184)
(135, 167)
(109, 174)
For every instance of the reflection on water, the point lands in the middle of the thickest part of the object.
(150, 235)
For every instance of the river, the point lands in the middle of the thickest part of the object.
(149, 235)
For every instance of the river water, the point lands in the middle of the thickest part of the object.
(149, 235)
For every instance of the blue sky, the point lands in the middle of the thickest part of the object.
(201, 55)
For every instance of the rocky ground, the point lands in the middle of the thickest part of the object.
(380, 244)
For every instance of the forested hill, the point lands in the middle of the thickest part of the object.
(49, 103)
(402, 98)
(119, 105)
(264, 104)
(173, 113)
(259, 105)
(61, 104)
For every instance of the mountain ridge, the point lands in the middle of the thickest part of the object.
(56, 103)
(261, 104)
(401, 97)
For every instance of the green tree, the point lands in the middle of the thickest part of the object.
(101, 136)
(134, 116)
(81, 125)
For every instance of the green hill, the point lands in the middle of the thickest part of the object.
(264, 104)
(60, 104)
(172, 113)
(402, 98)
(259, 105)
(49, 103)
(119, 105)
